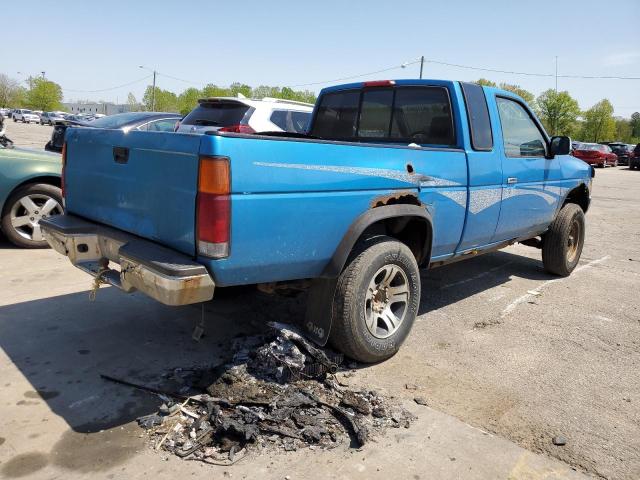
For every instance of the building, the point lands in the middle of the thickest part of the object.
(106, 108)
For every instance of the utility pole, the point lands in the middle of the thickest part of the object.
(153, 93)
(421, 65)
(556, 74)
(42, 75)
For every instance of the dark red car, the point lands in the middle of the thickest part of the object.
(596, 154)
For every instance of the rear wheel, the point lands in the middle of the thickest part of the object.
(376, 300)
(562, 244)
(23, 211)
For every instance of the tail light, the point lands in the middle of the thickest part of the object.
(213, 206)
(380, 83)
(238, 129)
(64, 164)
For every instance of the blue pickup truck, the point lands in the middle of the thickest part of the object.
(392, 176)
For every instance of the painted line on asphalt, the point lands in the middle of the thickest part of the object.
(536, 292)
(475, 277)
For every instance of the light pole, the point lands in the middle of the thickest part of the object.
(406, 64)
(153, 92)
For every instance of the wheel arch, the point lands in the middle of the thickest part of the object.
(410, 224)
(33, 180)
(578, 195)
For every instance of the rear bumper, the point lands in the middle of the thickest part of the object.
(163, 274)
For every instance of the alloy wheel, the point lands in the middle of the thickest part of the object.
(26, 214)
(387, 301)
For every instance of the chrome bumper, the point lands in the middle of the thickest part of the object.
(129, 262)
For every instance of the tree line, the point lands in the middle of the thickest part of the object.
(42, 94)
(559, 111)
(560, 114)
(167, 101)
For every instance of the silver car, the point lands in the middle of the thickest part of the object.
(25, 116)
(50, 118)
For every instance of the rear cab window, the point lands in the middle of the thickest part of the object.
(217, 113)
(394, 114)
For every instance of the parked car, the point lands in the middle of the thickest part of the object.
(596, 154)
(622, 151)
(4, 112)
(392, 176)
(145, 121)
(50, 118)
(25, 116)
(634, 160)
(245, 115)
(29, 192)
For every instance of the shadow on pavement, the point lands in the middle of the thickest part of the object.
(62, 344)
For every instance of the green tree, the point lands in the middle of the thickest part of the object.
(211, 90)
(599, 124)
(526, 95)
(486, 83)
(188, 100)
(623, 130)
(44, 95)
(165, 101)
(240, 88)
(134, 106)
(8, 91)
(635, 124)
(558, 112)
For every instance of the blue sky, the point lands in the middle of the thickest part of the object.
(88, 45)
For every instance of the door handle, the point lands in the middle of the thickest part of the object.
(512, 180)
(120, 154)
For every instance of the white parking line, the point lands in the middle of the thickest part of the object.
(475, 277)
(534, 293)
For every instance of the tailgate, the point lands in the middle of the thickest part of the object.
(141, 182)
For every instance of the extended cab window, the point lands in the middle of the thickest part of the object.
(520, 135)
(400, 115)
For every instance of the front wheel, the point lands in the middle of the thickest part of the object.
(563, 242)
(23, 211)
(376, 300)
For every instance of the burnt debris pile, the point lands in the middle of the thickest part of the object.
(279, 392)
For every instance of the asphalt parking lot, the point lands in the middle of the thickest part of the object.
(506, 355)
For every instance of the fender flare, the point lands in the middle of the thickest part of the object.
(566, 196)
(368, 218)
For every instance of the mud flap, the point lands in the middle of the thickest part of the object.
(319, 313)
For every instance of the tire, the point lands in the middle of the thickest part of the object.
(21, 224)
(362, 327)
(15, 120)
(563, 242)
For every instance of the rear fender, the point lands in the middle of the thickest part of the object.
(319, 315)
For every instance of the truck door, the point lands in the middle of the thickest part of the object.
(526, 206)
(485, 171)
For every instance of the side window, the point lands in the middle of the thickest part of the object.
(375, 114)
(336, 116)
(290, 120)
(279, 117)
(423, 115)
(163, 125)
(520, 134)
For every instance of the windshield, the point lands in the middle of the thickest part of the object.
(119, 120)
(216, 114)
(586, 146)
(27, 111)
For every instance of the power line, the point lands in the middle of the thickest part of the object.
(469, 67)
(107, 89)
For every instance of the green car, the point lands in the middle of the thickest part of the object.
(29, 190)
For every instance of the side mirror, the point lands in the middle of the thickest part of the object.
(559, 146)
